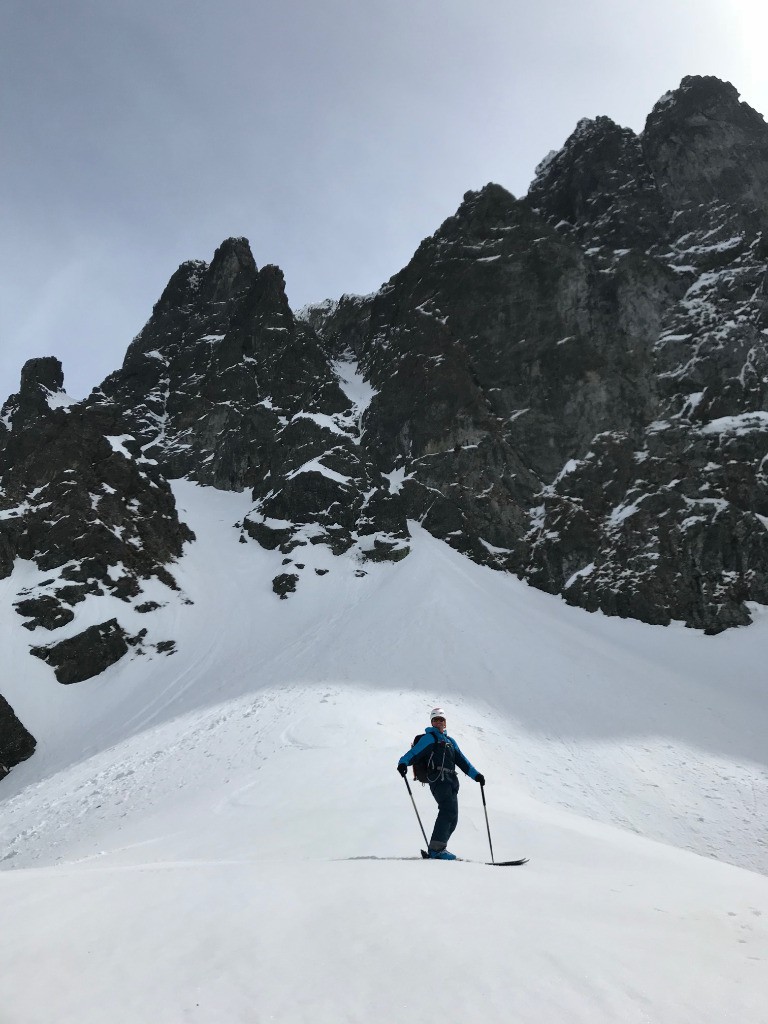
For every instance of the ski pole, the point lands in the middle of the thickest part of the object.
(482, 790)
(410, 794)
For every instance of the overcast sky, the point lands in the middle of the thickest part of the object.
(334, 134)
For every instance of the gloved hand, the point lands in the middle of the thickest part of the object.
(480, 778)
(403, 769)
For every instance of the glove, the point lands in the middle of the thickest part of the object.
(480, 778)
(403, 769)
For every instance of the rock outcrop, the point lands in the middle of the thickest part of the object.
(16, 743)
(80, 501)
(89, 653)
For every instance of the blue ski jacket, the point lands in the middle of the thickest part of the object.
(432, 737)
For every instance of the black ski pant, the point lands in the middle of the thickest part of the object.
(446, 793)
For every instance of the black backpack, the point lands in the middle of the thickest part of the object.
(421, 764)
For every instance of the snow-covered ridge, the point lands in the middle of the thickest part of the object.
(195, 834)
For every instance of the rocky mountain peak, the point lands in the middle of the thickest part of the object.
(479, 213)
(700, 99)
(488, 222)
(40, 393)
(270, 287)
(232, 271)
(183, 287)
(706, 147)
(44, 373)
(490, 198)
(593, 152)
(599, 187)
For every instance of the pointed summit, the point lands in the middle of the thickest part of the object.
(45, 372)
(704, 145)
(182, 288)
(599, 184)
(479, 216)
(597, 159)
(271, 280)
(41, 390)
(232, 270)
(701, 99)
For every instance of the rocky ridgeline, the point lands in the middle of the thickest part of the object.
(662, 518)
(91, 513)
(570, 386)
(594, 357)
(94, 518)
(227, 387)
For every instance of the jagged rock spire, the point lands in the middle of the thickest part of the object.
(705, 146)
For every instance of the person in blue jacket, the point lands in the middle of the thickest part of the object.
(443, 754)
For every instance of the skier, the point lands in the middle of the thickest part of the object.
(442, 754)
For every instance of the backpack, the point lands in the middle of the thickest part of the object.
(420, 764)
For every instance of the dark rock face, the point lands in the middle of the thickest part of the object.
(706, 147)
(285, 584)
(674, 530)
(16, 744)
(225, 386)
(221, 367)
(79, 500)
(87, 654)
(573, 385)
(665, 521)
(343, 325)
(497, 354)
(600, 188)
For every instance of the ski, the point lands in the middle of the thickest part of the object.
(491, 864)
(372, 857)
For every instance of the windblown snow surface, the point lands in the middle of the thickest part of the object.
(219, 835)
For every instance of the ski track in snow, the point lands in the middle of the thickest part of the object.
(232, 815)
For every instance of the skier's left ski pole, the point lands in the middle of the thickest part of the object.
(410, 794)
(482, 790)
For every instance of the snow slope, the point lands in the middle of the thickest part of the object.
(204, 837)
